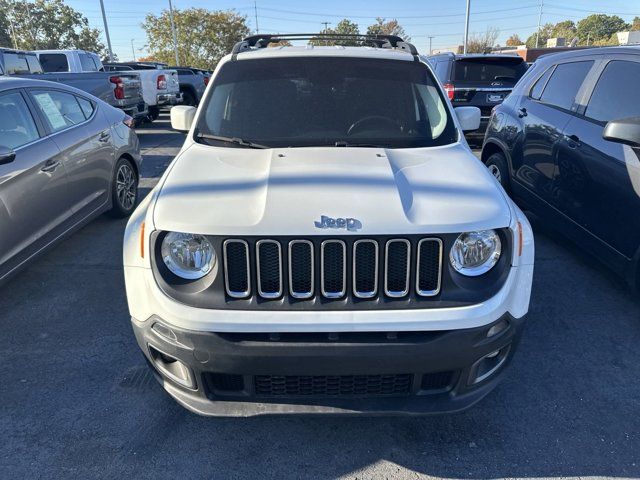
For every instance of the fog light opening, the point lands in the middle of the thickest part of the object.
(488, 365)
(172, 368)
(499, 327)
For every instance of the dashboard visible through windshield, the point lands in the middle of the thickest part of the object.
(325, 101)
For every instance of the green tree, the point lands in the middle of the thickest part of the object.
(598, 28)
(5, 31)
(636, 24)
(49, 24)
(344, 27)
(566, 29)
(546, 32)
(384, 27)
(204, 36)
(514, 40)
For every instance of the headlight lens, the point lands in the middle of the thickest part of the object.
(475, 253)
(187, 255)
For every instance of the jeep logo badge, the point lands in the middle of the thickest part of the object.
(350, 224)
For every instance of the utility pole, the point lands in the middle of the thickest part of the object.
(255, 8)
(539, 22)
(430, 49)
(133, 51)
(106, 31)
(466, 28)
(173, 31)
(326, 25)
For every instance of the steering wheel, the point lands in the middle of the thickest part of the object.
(374, 119)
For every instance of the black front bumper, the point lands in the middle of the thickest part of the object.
(233, 374)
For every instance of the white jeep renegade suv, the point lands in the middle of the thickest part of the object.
(325, 241)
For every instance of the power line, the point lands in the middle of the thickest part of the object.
(392, 16)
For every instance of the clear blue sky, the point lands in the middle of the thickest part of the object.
(443, 19)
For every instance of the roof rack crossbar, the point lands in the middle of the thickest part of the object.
(377, 40)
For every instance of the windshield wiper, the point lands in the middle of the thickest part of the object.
(234, 140)
(347, 144)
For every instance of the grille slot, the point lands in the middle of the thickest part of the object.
(396, 280)
(429, 267)
(365, 268)
(236, 271)
(332, 385)
(269, 268)
(333, 266)
(301, 271)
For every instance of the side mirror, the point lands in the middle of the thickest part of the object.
(6, 155)
(182, 117)
(469, 118)
(625, 131)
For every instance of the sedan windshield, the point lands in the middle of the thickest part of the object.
(325, 101)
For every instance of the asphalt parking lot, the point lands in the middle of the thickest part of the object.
(77, 400)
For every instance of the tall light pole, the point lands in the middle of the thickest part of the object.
(430, 49)
(173, 31)
(539, 22)
(106, 31)
(466, 28)
(255, 8)
(133, 51)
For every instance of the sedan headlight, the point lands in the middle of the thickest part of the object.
(475, 253)
(187, 255)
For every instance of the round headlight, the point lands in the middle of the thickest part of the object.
(475, 253)
(187, 255)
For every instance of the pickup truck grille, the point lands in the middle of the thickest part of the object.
(333, 268)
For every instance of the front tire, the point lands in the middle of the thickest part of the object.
(124, 189)
(497, 165)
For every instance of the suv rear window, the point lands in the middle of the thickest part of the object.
(487, 69)
(327, 101)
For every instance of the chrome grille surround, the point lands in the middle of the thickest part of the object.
(301, 295)
(336, 293)
(261, 291)
(356, 292)
(405, 290)
(429, 293)
(225, 247)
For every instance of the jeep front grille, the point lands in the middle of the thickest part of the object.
(332, 269)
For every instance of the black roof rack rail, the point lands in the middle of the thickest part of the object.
(257, 41)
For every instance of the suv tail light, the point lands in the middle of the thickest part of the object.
(206, 80)
(162, 82)
(118, 91)
(450, 89)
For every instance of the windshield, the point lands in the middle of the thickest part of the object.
(487, 69)
(326, 101)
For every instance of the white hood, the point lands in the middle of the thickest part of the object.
(240, 191)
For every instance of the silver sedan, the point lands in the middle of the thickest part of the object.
(65, 158)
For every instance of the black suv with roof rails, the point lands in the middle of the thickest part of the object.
(477, 80)
(566, 145)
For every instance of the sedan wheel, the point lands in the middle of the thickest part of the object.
(125, 189)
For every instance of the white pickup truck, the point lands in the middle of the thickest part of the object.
(160, 86)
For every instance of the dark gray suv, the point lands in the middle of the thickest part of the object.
(477, 80)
